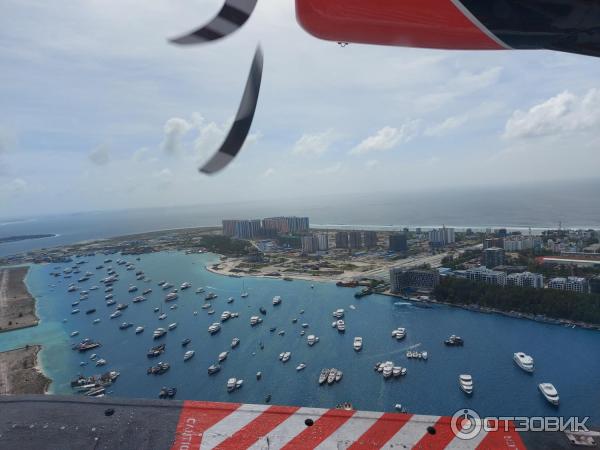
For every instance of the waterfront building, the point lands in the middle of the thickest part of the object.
(355, 239)
(310, 244)
(572, 284)
(401, 279)
(322, 241)
(341, 239)
(370, 239)
(286, 225)
(242, 229)
(485, 275)
(525, 279)
(441, 237)
(493, 257)
(228, 227)
(398, 242)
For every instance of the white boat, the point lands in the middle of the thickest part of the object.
(276, 300)
(244, 294)
(163, 316)
(139, 330)
(323, 376)
(549, 391)
(398, 406)
(524, 361)
(101, 362)
(173, 326)
(338, 375)
(255, 320)
(96, 321)
(424, 355)
(188, 355)
(338, 313)
(171, 296)
(357, 343)
(225, 316)
(341, 326)
(200, 290)
(231, 384)
(74, 333)
(331, 376)
(399, 333)
(75, 311)
(286, 357)
(185, 285)
(388, 368)
(239, 383)
(159, 332)
(115, 314)
(300, 367)
(215, 327)
(230, 300)
(223, 356)
(312, 340)
(235, 342)
(132, 288)
(466, 383)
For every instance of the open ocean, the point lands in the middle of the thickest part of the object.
(564, 356)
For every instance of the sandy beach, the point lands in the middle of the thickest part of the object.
(19, 372)
(17, 306)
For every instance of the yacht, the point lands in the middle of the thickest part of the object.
(239, 383)
(331, 376)
(223, 356)
(172, 326)
(94, 288)
(210, 312)
(230, 300)
(255, 320)
(323, 376)
(188, 355)
(167, 286)
(75, 311)
(341, 326)
(214, 328)
(111, 302)
(159, 332)
(225, 316)
(108, 297)
(276, 300)
(74, 333)
(281, 332)
(214, 368)
(75, 303)
(312, 340)
(399, 333)
(147, 291)
(357, 343)
(171, 296)
(258, 375)
(454, 340)
(338, 313)
(466, 383)
(286, 357)
(235, 342)
(200, 290)
(304, 325)
(338, 375)
(206, 306)
(185, 342)
(302, 333)
(549, 391)
(300, 367)
(161, 283)
(132, 288)
(139, 330)
(163, 316)
(139, 298)
(210, 296)
(244, 294)
(125, 325)
(424, 355)
(524, 361)
(388, 368)
(231, 384)
(115, 314)
(156, 309)
(101, 362)
(185, 285)
(96, 321)
(173, 306)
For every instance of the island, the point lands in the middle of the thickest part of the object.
(24, 237)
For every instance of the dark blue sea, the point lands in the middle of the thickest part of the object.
(566, 357)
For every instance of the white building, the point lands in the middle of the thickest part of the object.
(323, 241)
(525, 279)
(573, 284)
(519, 242)
(486, 275)
(441, 236)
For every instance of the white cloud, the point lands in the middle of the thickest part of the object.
(270, 171)
(14, 187)
(140, 154)
(330, 170)
(452, 123)
(387, 138)
(164, 177)
(372, 164)
(175, 129)
(563, 113)
(314, 144)
(100, 155)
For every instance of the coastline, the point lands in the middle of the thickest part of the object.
(20, 372)
(17, 305)
(303, 277)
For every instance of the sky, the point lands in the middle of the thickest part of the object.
(98, 111)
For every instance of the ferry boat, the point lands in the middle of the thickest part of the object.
(214, 328)
(312, 340)
(357, 345)
(235, 342)
(549, 392)
(524, 361)
(139, 330)
(276, 300)
(223, 356)
(466, 383)
(188, 355)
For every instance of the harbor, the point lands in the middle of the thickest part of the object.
(428, 386)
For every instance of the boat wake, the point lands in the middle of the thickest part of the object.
(396, 352)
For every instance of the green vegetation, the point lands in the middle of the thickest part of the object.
(457, 263)
(225, 245)
(549, 302)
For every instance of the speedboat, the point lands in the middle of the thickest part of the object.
(276, 300)
(225, 316)
(115, 314)
(96, 321)
(255, 320)
(524, 361)
(172, 326)
(139, 330)
(281, 332)
(163, 316)
(230, 300)
(125, 325)
(399, 333)
(188, 355)
(111, 302)
(338, 375)
(341, 326)
(75, 311)
(205, 306)
(185, 285)
(258, 375)
(185, 342)
(235, 342)
(338, 313)
(223, 356)
(101, 362)
(549, 391)
(74, 333)
(286, 357)
(300, 367)
(357, 343)
(214, 368)
(171, 296)
(239, 383)
(132, 288)
(159, 332)
(231, 384)
(304, 325)
(466, 383)
(147, 291)
(312, 340)
(210, 296)
(454, 340)
(323, 376)
(200, 290)
(214, 328)
(388, 368)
